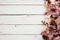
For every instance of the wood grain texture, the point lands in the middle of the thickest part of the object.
(21, 1)
(34, 19)
(22, 9)
(21, 29)
(21, 19)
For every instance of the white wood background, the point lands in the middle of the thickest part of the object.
(21, 19)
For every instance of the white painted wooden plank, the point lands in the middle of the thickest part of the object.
(32, 19)
(21, 29)
(22, 9)
(22, 1)
(20, 37)
(6, 28)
